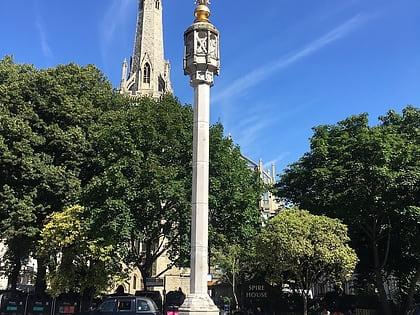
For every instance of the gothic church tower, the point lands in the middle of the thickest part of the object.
(148, 73)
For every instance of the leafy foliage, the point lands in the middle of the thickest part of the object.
(304, 248)
(66, 138)
(45, 149)
(75, 263)
(235, 190)
(370, 178)
(235, 264)
(142, 193)
(142, 188)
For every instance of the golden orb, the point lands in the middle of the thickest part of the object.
(202, 13)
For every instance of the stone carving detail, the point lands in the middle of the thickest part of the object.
(213, 46)
(201, 43)
(202, 76)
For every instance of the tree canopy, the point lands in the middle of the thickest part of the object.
(301, 248)
(140, 194)
(67, 138)
(45, 117)
(235, 190)
(75, 262)
(368, 176)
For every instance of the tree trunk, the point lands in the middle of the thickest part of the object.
(305, 303)
(14, 274)
(410, 297)
(234, 290)
(40, 283)
(146, 271)
(386, 309)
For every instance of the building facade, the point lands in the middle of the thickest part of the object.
(269, 204)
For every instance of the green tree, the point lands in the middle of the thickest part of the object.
(142, 191)
(234, 194)
(368, 176)
(235, 264)
(45, 150)
(227, 262)
(140, 195)
(304, 248)
(75, 262)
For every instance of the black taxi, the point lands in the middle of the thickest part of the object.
(127, 305)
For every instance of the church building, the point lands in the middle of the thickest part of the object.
(148, 71)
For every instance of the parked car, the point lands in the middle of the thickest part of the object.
(154, 295)
(127, 305)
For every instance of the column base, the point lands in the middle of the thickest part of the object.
(198, 304)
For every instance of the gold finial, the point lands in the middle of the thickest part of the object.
(202, 12)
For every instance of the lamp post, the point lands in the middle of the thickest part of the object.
(201, 63)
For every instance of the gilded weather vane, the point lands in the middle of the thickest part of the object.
(205, 2)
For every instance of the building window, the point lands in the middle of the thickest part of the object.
(134, 282)
(265, 198)
(157, 4)
(146, 73)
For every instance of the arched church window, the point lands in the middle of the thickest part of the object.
(146, 73)
(157, 4)
(134, 282)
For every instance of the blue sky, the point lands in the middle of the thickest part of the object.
(286, 65)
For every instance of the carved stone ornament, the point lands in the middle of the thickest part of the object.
(201, 39)
(200, 76)
(213, 46)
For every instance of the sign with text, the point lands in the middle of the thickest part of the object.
(155, 282)
(256, 291)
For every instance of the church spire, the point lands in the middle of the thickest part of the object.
(149, 71)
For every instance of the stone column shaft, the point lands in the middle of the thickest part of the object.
(199, 229)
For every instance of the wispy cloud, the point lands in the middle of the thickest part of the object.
(277, 159)
(253, 78)
(46, 49)
(247, 133)
(115, 15)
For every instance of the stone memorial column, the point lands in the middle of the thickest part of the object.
(201, 63)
